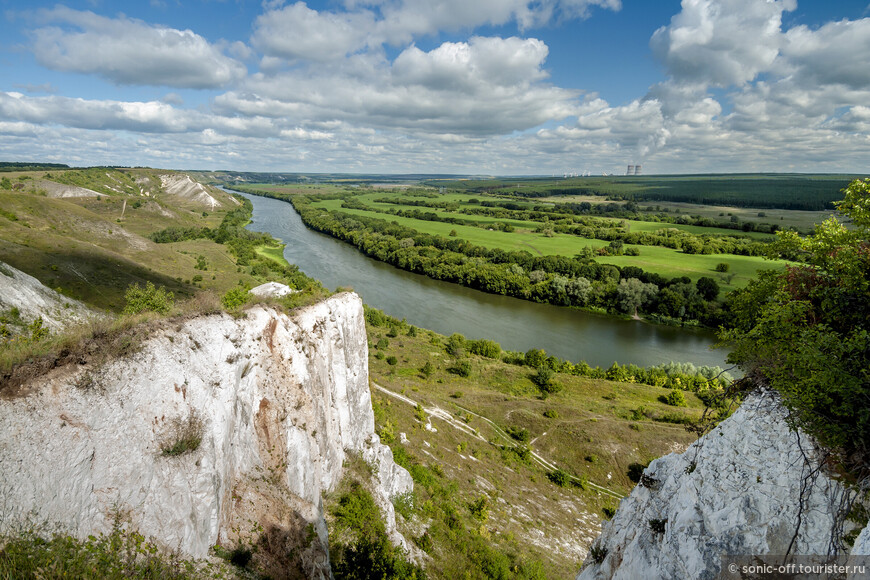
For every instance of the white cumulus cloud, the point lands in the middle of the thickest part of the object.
(130, 52)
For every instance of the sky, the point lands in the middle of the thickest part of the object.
(484, 87)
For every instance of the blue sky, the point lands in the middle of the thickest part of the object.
(439, 86)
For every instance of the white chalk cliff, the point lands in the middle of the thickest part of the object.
(751, 486)
(281, 401)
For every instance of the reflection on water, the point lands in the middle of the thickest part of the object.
(447, 308)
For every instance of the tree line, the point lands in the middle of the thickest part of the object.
(559, 280)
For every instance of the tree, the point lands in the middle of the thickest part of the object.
(708, 288)
(578, 290)
(805, 332)
(632, 294)
(535, 358)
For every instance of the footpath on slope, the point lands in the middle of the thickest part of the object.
(450, 420)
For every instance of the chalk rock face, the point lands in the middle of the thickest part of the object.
(737, 490)
(272, 289)
(33, 299)
(184, 186)
(277, 400)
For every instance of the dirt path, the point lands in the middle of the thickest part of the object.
(448, 418)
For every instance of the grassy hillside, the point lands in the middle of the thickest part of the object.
(454, 434)
(92, 248)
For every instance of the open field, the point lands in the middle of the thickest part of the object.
(664, 261)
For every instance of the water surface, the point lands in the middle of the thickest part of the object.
(447, 308)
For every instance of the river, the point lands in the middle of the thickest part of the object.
(447, 308)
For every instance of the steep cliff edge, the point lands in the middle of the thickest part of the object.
(751, 486)
(277, 402)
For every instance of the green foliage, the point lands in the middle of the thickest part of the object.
(708, 288)
(633, 294)
(535, 357)
(455, 344)
(675, 398)
(427, 369)
(387, 433)
(235, 298)
(598, 554)
(369, 555)
(551, 414)
(723, 267)
(392, 361)
(563, 479)
(382, 344)
(543, 379)
(461, 368)
(116, 555)
(519, 433)
(635, 471)
(149, 298)
(420, 413)
(374, 316)
(484, 347)
(806, 332)
(479, 508)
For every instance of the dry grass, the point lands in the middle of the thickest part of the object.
(183, 435)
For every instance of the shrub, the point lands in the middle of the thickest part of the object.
(479, 508)
(486, 348)
(543, 379)
(635, 471)
(149, 298)
(551, 414)
(387, 433)
(455, 344)
(519, 433)
(559, 477)
(722, 267)
(598, 554)
(235, 298)
(392, 361)
(427, 369)
(382, 344)
(676, 398)
(119, 554)
(535, 358)
(461, 368)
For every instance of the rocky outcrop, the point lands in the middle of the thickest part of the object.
(277, 402)
(184, 186)
(752, 486)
